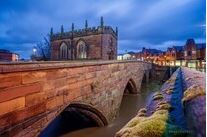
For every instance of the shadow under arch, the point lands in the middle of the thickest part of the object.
(150, 74)
(130, 87)
(76, 115)
(144, 78)
(89, 111)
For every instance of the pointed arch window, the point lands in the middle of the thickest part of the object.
(63, 51)
(81, 50)
(69, 52)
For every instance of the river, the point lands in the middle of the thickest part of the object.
(130, 105)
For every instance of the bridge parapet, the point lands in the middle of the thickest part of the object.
(6, 67)
(194, 101)
(33, 94)
(179, 106)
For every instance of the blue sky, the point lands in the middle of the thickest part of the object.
(142, 23)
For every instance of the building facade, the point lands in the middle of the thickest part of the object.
(127, 56)
(190, 50)
(6, 55)
(88, 43)
(150, 55)
(191, 54)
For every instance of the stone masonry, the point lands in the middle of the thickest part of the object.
(33, 94)
(95, 42)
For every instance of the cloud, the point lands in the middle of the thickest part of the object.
(117, 8)
(153, 24)
(160, 10)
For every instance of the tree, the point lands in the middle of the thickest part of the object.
(41, 52)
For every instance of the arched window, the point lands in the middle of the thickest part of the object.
(63, 51)
(69, 51)
(81, 50)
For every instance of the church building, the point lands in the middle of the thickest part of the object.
(90, 43)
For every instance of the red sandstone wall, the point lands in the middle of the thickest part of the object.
(34, 95)
(94, 46)
(6, 57)
(106, 46)
(98, 46)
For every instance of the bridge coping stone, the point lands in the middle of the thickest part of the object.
(6, 67)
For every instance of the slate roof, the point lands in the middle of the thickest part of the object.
(201, 45)
(178, 48)
(154, 51)
(130, 52)
(4, 51)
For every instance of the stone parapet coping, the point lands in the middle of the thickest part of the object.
(6, 67)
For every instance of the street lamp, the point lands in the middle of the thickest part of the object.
(34, 51)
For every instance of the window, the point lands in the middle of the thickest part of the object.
(193, 51)
(81, 50)
(189, 53)
(69, 52)
(185, 53)
(111, 42)
(63, 51)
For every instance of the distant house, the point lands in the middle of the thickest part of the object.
(190, 51)
(148, 54)
(120, 56)
(193, 51)
(6, 55)
(201, 51)
(178, 50)
(127, 56)
(190, 55)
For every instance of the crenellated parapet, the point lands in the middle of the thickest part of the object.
(84, 32)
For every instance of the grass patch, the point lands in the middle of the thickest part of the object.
(155, 125)
(193, 92)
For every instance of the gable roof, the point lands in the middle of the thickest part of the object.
(130, 52)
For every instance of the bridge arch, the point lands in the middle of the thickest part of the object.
(72, 81)
(150, 74)
(144, 78)
(76, 115)
(89, 111)
(130, 87)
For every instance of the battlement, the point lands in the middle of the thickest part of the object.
(83, 32)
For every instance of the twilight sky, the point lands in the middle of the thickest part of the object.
(150, 23)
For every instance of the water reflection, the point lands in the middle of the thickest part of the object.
(130, 105)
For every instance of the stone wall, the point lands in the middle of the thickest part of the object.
(93, 42)
(100, 43)
(33, 94)
(194, 101)
(178, 109)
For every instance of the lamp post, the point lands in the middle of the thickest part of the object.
(34, 51)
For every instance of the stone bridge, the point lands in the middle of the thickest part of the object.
(32, 95)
